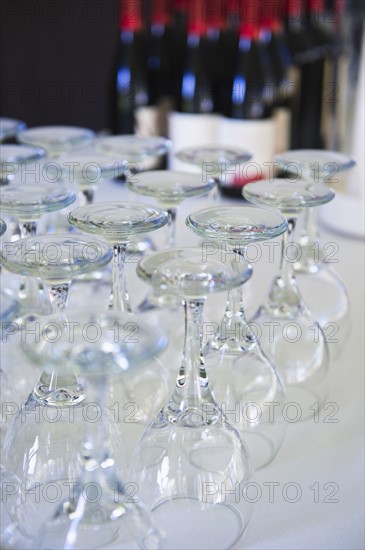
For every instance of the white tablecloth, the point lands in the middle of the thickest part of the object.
(321, 464)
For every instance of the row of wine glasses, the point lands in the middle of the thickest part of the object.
(193, 448)
(123, 150)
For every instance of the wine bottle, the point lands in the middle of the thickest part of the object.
(312, 78)
(194, 123)
(272, 34)
(309, 48)
(249, 123)
(131, 81)
(159, 61)
(213, 52)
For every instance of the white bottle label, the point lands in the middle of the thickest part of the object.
(282, 118)
(189, 130)
(256, 136)
(147, 123)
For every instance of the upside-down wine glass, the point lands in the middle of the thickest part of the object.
(191, 457)
(2, 227)
(13, 157)
(27, 203)
(102, 345)
(9, 127)
(290, 335)
(117, 223)
(87, 167)
(320, 284)
(56, 260)
(214, 160)
(56, 140)
(136, 153)
(134, 150)
(243, 379)
(170, 188)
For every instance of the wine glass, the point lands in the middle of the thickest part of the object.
(41, 454)
(320, 284)
(242, 377)
(9, 127)
(117, 223)
(56, 261)
(214, 160)
(2, 227)
(170, 188)
(87, 167)
(12, 157)
(27, 203)
(136, 151)
(290, 335)
(191, 456)
(56, 140)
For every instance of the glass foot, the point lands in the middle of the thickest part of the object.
(45, 394)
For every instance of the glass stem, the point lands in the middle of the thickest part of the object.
(55, 386)
(58, 295)
(192, 398)
(96, 441)
(31, 290)
(309, 233)
(119, 299)
(286, 271)
(234, 305)
(233, 334)
(88, 196)
(28, 229)
(171, 228)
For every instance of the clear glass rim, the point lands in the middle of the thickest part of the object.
(340, 159)
(55, 270)
(254, 233)
(58, 197)
(10, 127)
(146, 270)
(115, 231)
(36, 135)
(135, 147)
(144, 184)
(3, 227)
(296, 202)
(34, 153)
(188, 154)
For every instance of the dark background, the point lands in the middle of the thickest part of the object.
(58, 61)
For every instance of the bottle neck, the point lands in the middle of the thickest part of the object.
(130, 16)
(160, 15)
(196, 21)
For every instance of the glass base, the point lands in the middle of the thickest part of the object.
(65, 393)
